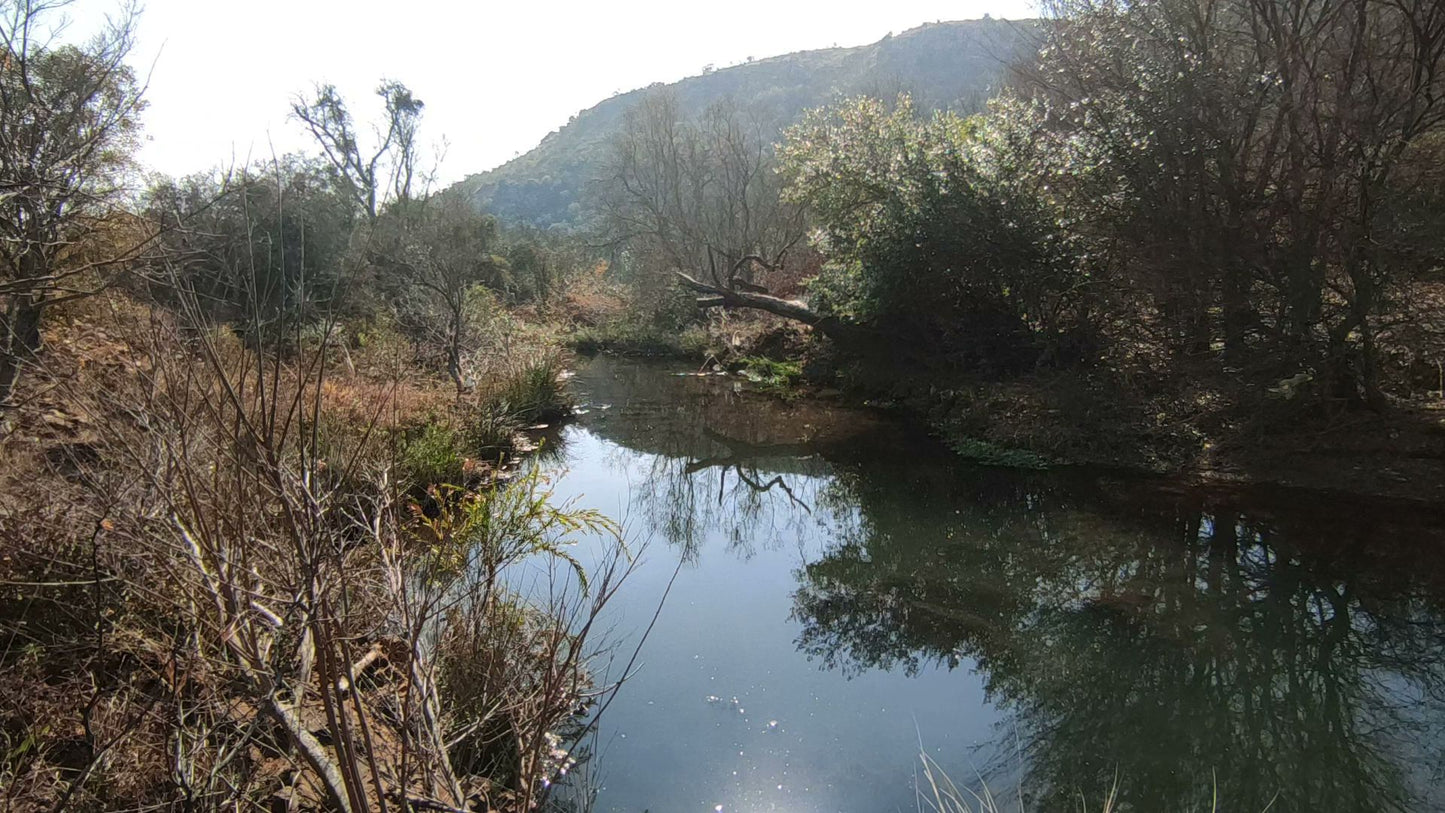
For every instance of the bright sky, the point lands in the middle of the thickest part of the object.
(496, 76)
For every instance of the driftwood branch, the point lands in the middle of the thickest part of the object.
(372, 655)
(778, 481)
(716, 296)
(312, 751)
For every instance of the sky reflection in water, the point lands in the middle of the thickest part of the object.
(849, 593)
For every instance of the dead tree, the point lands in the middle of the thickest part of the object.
(739, 292)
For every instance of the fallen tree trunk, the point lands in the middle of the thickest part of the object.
(714, 296)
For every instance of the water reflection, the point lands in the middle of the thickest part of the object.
(753, 502)
(720, 460)
(1179, 645)
(1266, 649)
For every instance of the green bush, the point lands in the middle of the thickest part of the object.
(935, 228)
(438, 452)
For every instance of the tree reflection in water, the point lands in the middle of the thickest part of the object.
(753, 502)
(1285, 655)
(1270, 650)
(716, 460)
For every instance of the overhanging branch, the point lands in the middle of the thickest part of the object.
(717, 295)
(714, 296)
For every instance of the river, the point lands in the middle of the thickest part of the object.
(845, 596)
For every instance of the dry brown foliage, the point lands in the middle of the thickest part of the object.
(215, 592)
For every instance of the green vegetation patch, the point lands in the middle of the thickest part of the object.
(433, 455)
(774, 377)
(992, 454)
(536, 392)
(636, 337)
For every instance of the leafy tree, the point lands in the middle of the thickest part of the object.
(533, 270)
(1242, 162)
(430, 256)
(267, 242)
(426, 254)
(933, 228)
(69, 117)
(389, 168)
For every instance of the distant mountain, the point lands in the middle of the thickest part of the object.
(956, 65)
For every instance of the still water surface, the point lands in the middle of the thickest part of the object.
(850, 595)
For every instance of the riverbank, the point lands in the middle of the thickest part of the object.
(1199, 435)
(1196, 427)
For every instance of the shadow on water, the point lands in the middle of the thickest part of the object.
(1266, 648)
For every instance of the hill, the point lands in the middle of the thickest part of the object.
(943, 65)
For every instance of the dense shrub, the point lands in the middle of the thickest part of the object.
(931, 231)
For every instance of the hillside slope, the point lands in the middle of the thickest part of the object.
(943, 65)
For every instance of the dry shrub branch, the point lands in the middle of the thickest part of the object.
(248, 602)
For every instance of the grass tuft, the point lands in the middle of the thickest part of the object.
(536, 392)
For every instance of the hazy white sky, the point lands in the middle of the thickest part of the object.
(496, 76)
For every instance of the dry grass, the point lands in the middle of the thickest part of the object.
(216, 591)
(937, 792)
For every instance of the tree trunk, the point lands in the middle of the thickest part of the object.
(715, 296)
(454, 349)
(1237, 314)
(1362, 306)
(19, 341)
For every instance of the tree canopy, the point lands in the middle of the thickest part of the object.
(69, 117)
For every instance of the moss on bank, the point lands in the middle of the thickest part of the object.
(991, 454)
